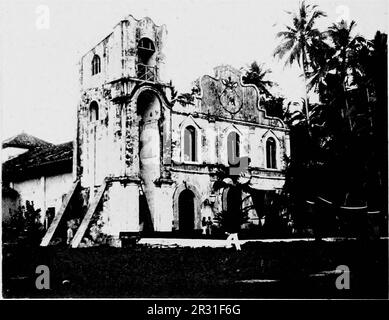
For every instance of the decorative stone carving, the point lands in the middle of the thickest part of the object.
(230, 98)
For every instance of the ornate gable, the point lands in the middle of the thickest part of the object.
(226, 96)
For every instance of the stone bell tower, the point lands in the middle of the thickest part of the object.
(123, 126)
(143, 44)
(134, 49)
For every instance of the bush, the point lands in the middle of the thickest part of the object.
(24, 226)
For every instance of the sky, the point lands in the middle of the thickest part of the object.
(42, 41)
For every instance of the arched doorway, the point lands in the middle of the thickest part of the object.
(186, 212)
(178, 208)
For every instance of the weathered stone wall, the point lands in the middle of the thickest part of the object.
(199, 183)
(109, 146)
(163, 214)
(121, 208)
(100, 143)
(223, 104)
(212, 140)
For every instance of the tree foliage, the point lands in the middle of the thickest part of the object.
(24, 226)
(299, 40)
(257, 75)
(338, 147)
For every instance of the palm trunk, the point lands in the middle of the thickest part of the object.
(369, 110)
(347, 107)
(306, 93)
(343, 79)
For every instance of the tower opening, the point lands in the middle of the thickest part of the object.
(146, 60)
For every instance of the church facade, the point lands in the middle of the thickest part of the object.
(144, 156)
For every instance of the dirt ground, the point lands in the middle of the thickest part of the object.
(260, 270)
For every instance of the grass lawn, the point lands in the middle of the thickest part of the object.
(203, 272)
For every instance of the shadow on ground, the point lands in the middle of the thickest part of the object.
(260, 270)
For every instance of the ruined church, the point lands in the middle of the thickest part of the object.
(144, 159)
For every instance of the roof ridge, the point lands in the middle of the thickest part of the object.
(25, 141)
(39, 158)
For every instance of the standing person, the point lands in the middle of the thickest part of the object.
(232, 214)
(204, 226)
(69, 233)
(206, 211)
(209, 225)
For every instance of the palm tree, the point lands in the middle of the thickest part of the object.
(321, 66)
(346, 59)
(299, 39)
(255, 75)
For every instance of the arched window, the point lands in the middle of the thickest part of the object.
(271, 161)
(233, 148)
(93, 111)
(96, 67)
(190, 144)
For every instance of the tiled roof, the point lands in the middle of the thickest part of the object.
(25, 141)
(47, 160)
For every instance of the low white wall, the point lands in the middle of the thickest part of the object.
(45, 192)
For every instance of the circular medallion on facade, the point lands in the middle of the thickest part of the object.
(230, 97)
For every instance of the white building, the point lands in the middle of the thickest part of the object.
(42, 175)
